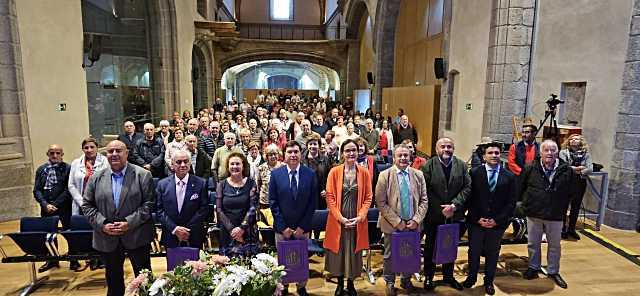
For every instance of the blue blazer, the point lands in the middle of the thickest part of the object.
(195, 209)
(288, 211)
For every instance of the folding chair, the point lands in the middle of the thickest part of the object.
(318, 223)
(38, 240)
(79, 238)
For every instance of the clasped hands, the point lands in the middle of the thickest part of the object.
(350, 223)
(237, 234)
(411, 225)
(182, 233)
(116, 228)
(298, 233)
(487, 223)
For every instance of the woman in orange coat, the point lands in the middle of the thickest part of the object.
(349, 197)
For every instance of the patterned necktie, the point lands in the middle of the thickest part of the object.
(294, 185)
(180, 195)
(405, 197)
(493, 180)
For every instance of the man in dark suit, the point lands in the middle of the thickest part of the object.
(182, 204)
(118, 202)
(200, 161)
(448, 185)
(130, 137)
(490, 205)
(293, 191)
(52, 194)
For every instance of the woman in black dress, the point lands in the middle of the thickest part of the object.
(236, 204)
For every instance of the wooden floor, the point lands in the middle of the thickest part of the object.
(588, 268)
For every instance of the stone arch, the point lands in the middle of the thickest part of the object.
(355, 12)
(204, 51)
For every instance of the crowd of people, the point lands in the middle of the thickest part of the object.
(295, 155)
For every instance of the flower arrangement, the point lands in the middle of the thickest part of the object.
(214, 275)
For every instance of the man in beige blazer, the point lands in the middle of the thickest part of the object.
(398, 183)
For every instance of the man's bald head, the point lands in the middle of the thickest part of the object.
(117, 154)
(55, 153)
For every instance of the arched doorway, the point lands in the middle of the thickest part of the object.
(199, 79)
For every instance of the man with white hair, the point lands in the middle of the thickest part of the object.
(295, 128)
(547, 188)
(165, 132)
(405, 130)
(149, 152)
(303, 136)
(200, 161)
(372, 136)
(256, 133)
(219, 162)
(192, 127)
(130, 137)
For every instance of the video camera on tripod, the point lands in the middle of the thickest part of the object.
(550, 113)
(553, 102)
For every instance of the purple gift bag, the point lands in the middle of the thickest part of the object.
(293, 255)
(405, 252)
(177, 256)
(446, 247)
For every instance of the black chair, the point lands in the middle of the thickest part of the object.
(79, 238)
(375, 240)
(37, 239)
(318, 223)
(383, 166)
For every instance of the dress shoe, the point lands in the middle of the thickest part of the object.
(573, 234)
(74, 265)
(351, 289)
(339, 287)
(48, 265)
(564, 235)
(559, 281)
(489, 289)
(454, 284)
(407, 285)
(429, 285)
(302, 292)
(390, 290)
(530, 274)
(468, 283)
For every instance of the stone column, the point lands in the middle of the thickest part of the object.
(624, 190)
(16, 176)
(508, 66)
(384, 43)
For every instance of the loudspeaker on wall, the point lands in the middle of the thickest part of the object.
(370, 78)
(438, 67)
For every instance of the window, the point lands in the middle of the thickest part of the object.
(282, 10)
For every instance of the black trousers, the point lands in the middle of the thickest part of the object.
(114, 266)
(575, 205)
(431, 231)
(484, 241)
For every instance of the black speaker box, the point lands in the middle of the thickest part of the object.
(438, 67)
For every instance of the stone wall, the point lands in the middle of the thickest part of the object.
(15, 161)
(624, 192)
(510, 39)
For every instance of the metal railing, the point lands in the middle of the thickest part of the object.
(281, 31)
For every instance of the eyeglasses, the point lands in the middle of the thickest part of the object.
(181, 161)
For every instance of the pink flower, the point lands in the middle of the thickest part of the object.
(220, 260)
(279, 289)
(197, 267)
(140, 280)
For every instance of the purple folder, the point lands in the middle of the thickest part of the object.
(293, 255)
(446, 248)
(405, 252)
(177, 256)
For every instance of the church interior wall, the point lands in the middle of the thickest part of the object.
(582, 41)
(51, 44)
(367, 61)
(306, 12)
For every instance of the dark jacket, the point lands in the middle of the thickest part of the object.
(203, 165)
(130, 142)
(497, 205)
(149, 152)
(170, 138)
(288, 210)
(544, 200)
(320, 129)
(400, 134)
(440, 192)
(59, 195)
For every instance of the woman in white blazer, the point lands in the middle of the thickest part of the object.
(82, 169)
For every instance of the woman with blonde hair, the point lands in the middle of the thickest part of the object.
(575, 152)
(178, 143)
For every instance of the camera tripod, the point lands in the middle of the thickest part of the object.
(550, 114)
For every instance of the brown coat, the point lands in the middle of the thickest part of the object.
(334, 204)
(388, 197)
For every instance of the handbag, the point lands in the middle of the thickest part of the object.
(294, 256)
(405, 252)
(446, 246)
(178, 255)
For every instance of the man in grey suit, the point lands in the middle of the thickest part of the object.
(118, 202)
